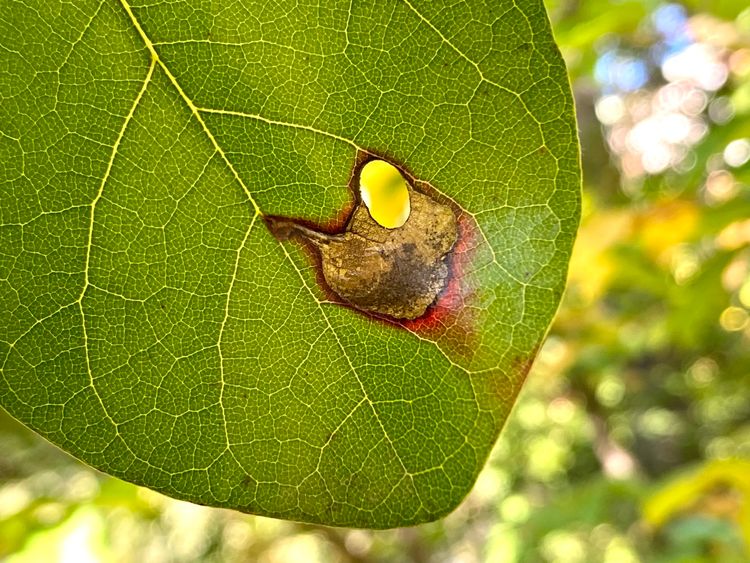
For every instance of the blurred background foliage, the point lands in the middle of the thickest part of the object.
(631, 439)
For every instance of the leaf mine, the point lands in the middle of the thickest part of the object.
(391, 257)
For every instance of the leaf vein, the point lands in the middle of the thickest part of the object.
(89, 244)
(221, 336)
(348, 360)
(189, 103)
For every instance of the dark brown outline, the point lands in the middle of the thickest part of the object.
(447, 311)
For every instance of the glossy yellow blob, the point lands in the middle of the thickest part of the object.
(385, 193)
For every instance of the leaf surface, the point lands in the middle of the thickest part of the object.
(151, 324)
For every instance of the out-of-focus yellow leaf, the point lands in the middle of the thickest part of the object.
(665, 226)
(690, 492)
(734, 235)
(659, 230)
(591, 267)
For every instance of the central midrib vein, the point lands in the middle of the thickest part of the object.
(189, 102)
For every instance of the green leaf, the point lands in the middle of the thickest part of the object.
(151, 324)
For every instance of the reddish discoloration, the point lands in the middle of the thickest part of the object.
(448, 320)
(506, 387)
(522, 366)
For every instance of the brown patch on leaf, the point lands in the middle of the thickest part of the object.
(396, 273)
(449, 319)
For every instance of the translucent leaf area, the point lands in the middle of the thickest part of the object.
(152, 326)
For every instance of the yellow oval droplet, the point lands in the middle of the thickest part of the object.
(385, 193)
